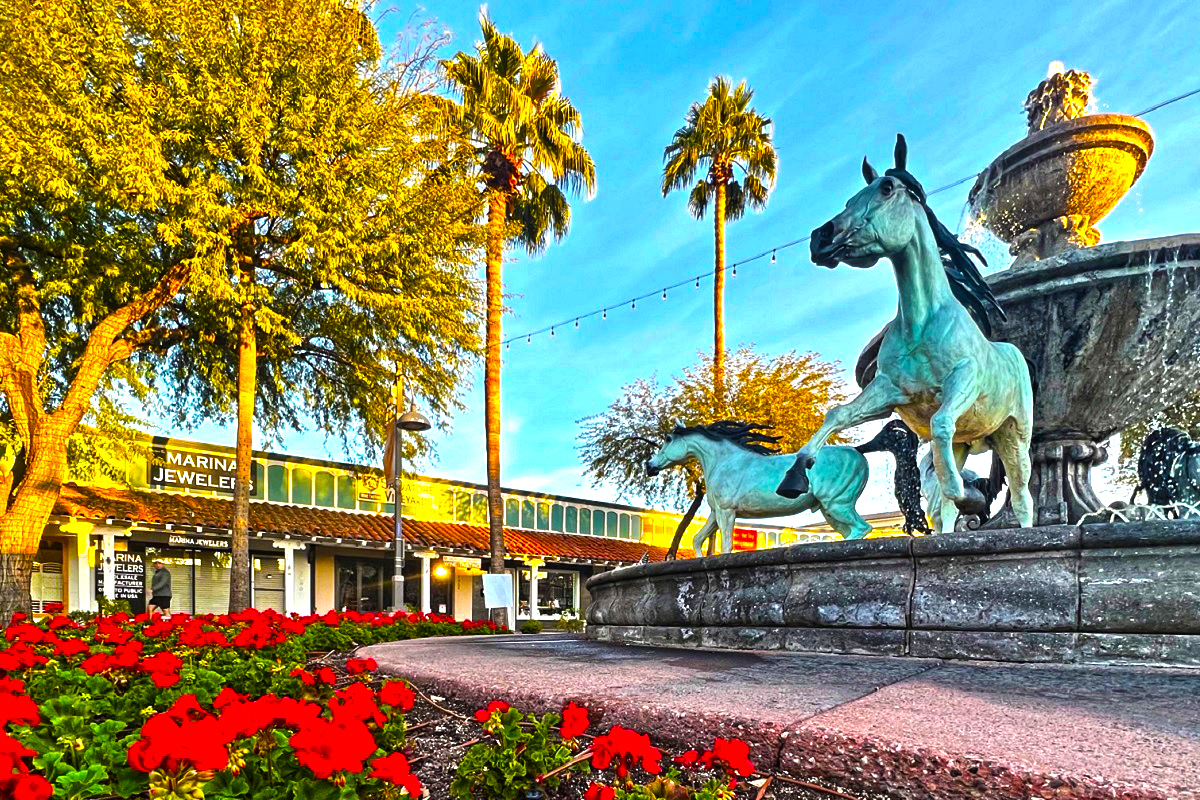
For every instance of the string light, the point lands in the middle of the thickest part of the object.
(773, 252)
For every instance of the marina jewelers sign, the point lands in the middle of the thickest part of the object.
(204, 471)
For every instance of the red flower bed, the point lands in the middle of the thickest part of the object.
(219, 706)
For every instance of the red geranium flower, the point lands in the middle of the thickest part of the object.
(732, 754)
(626, 748)
(394, 769)
(687, 760)
(326, 675)
(574, 721)
(397, 695)
(304, 675)
(598, 792)
(494, 707)
(18, 710)
(357, 666)
(27, 787)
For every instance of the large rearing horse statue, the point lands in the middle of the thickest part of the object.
(935, 368)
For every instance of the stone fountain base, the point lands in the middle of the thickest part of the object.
(1124, 593)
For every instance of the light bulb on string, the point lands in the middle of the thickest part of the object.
(577, 322)
(633, 305)
(551, 330)
(529, 339)
(664, 294)
(772, 256)
(735, 270)
(605, 315)
(697, 282)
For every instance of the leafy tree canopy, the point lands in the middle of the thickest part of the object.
(788, 394)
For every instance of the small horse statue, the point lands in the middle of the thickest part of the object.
(935, 368)
(741, 473)
(1169, 472)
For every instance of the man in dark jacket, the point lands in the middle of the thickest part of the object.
(160, 590)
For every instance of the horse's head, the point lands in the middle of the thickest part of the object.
(673, 453)
(878, 221)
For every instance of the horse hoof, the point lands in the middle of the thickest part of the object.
(793, 486)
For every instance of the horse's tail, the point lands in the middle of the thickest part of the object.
(996, 479)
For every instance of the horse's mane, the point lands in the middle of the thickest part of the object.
(966, 282)
(747, 435)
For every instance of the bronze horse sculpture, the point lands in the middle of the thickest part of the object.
(936, 368)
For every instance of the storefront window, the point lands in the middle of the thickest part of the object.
(572, 519)
(611, 524)
(302, 486)
(585, 521)
(598, 523)
(324, 493)
(364, 585)
(527, 514)
(180, 563)
(345, 491)
(556, 517)
(212, 571)
(268, 583)
(556, 593)
(512, 513)
(543, 517)
(277, 483)
(46, 583)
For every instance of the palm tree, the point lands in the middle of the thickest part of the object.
(526, 133)
(720, 134)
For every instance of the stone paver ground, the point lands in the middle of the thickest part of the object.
(915, 728)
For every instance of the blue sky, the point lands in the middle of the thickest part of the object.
(839, 81)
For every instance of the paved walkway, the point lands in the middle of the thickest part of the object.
(915, 728)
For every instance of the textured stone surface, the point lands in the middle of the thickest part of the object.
(1026, 591)
(913, 729)
(1023, 595)
(1141, 590)
(993, 645)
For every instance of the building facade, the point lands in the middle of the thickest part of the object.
(321, 538)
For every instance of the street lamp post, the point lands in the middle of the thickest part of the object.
(411, 420)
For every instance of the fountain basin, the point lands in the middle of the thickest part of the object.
(1113, 334)
(1047, 192)
(1111, 593)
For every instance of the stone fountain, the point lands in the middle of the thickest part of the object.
(1112, 330)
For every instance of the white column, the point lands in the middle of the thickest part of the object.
(426, 577)
(83, 578)
(110, 575)
(534, 565)
(289, 548)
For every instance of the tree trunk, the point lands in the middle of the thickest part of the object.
(688, 516)
(497, 205)
(22, 524)
(239, 567)
(719, 297)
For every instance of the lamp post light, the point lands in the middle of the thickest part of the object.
(414, 421)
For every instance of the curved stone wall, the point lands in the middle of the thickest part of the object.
(1125, 593)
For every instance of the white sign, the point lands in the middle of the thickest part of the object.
(497, 591)
(463, 561)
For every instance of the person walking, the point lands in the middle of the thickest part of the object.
(160, 590)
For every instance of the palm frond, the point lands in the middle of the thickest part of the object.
(698, 199)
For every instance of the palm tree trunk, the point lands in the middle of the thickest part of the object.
(239, 567)
(719, 297)
(491, 386)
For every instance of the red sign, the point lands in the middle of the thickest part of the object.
(745, 539)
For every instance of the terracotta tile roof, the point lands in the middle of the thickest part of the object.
(160, 508)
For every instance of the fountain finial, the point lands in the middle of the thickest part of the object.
(1064, 95)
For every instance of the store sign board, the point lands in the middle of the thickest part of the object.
(206, 471)
(463, 561)
(189, 540)
(745, 539)
(129, 576)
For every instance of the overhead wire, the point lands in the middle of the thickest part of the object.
(771, 251)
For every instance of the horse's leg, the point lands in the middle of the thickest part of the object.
(960, 390)
(1011, 442)
(948, 513)
(706, 530)
(877, 400)
(725, 521)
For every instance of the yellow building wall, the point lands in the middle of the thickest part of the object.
(323, 567)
